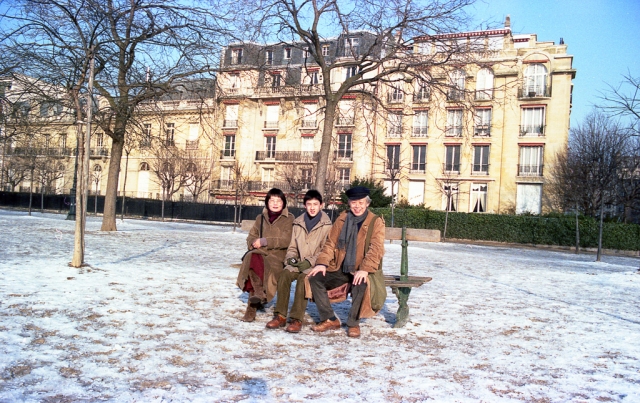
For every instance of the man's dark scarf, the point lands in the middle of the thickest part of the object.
(311, 222)
(348, 240)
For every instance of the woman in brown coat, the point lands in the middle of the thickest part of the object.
(268, 241)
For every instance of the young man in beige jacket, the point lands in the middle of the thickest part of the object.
(310, 232)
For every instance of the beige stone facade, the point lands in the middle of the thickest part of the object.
(484, 145)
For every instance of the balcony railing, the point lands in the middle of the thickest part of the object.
(450, 168)
(191, 144)
(288, 156)
(530, 170)
(309, 124)
(33, 151)
(480, 169)
(232, 124)
(395, 97)
(534, 91)
(484, 95)
(342, 121)
(224, 184)
(394, 131)
(291, 90)
(418, 168)
(453, 131)
(482, 130)
(271, 124)
(532, 130)
(227, 154)
(455, 95)
(422, 96)
(99, 152)
(419, 131)
(343, 155)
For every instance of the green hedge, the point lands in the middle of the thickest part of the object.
(525, 229)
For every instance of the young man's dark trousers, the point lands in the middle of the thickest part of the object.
(333, 279)
(284, 290)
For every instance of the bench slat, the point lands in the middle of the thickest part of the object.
(412, 281)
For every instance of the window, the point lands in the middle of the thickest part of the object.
(352, 71)
(419, 158)
(268, 177)
(63, 141)
(394, 125)
(393, 157)
(169, 132)
(481, 159)
(352, 47)
(273, 113)
(231, 116)
(482, 122)
(456, 83)
(194, 133)
(478, 197)
(532, 121)
(325, 50)
(99, 140)
(535, 81)
(344, 146)
(344, 177)
(144, 166)
(50, 109)
(310, 116)
(346, 113)
(306, 147)
(452, 159)
(268, 57)
(229, 150)
(450, 197)
(420, 125)
(236, 56)
(276, 80)
(234, 80)
(454, 122)
(270, 146)
(287, 53)
(530, 161)
(395, 94)
(146, 135)
(226, 173)
(484, 84)
(306, 177)
(314, 77)
(306, 53)
(423, 93)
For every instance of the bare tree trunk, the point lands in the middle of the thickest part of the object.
(41, 199)
(325, 146)
(31, 191)
(446, 222)
(124, 186)
(81, 207)
(599, 254)
(577, 231)
(111, 193)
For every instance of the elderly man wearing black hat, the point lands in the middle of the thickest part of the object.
(351, 257)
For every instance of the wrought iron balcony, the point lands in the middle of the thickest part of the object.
(191, 144)
(530, 170)
(271, 124)
(453, 131)
(480, 169)
(395, 97)
(419, 131)
(309, 124)
(230, 124)
(394, 131)
(228, 154)
(532, 130)
(482, 130)
(455, 95)
(343, 155)
(422, 96)
(484, 95)
(44, 151)
(451, 168)
(344, 121)
(534, 91)
(288, 156)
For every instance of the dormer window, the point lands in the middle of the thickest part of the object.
(287, 53)
(236, 56)
(268, 57)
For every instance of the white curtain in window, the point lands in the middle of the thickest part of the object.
(528, 198)
(478, 197)
(416, 192)
(194, 130)
(231, 112)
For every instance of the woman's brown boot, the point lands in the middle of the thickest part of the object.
(250, 313)
(258, 295)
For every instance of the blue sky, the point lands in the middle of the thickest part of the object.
(602, 35)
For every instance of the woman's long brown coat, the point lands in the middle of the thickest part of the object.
(278, 235)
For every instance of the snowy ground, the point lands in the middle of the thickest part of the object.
(155, 318)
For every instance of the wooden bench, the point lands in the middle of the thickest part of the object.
(401, 285)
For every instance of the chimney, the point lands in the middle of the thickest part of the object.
(507, 22)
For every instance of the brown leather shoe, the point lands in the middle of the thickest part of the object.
(353, 331)
(276, 322)
(294, 327)
(326, 325)
(249, 314)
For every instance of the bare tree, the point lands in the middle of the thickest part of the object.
(623, 101)
(170, 168)
(140, 49)
(375, 46)
(297, 177)
(47, 171)
(198, 174)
